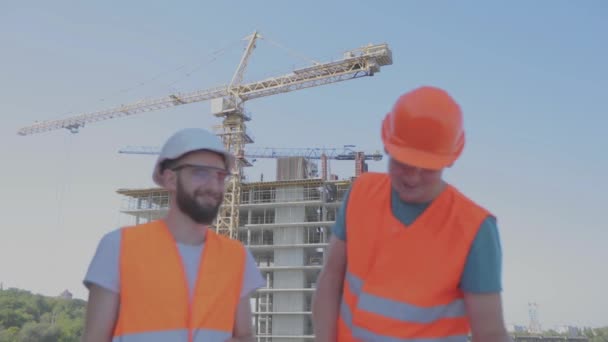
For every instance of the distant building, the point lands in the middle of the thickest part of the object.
(569, 330)
(518, 328)
(535, 326)
(66, 295)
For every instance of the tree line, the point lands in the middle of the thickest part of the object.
(27, 317)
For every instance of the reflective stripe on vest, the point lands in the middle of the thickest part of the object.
(402, 311)
(367, 335)
(401, 282)
(199, 335)
(155, 303)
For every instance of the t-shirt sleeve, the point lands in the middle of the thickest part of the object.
(339, 227)
(483, 269)
(103, 270)
(252, 279)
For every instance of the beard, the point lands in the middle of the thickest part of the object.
(199, 213)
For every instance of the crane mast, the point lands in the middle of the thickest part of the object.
(234, 136)
(228, 104)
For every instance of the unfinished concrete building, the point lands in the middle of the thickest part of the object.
(286, 225)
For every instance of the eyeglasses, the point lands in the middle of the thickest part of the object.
(203, 173)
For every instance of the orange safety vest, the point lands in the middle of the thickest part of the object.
(403, 284)
(155, 303)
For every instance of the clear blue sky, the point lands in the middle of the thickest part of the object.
(531, 77)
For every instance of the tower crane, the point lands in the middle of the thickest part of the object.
(227, 102)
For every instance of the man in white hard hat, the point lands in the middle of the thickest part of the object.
(174, 279)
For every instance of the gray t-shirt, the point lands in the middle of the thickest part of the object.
(104, 268)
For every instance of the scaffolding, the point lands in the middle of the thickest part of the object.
(286, 225)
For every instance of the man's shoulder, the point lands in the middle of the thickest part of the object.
(141, 230)
(234, 243)
(228, 241)
(465, 199)
(112, 237)
(368, 180)
(471, 216)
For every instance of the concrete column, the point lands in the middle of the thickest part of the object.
(289, 301)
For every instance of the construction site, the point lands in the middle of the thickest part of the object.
(285, 222)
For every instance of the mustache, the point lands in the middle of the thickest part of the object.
(215, 195)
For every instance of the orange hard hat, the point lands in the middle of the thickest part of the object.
(424, 129)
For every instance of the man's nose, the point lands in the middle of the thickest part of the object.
(411, 173)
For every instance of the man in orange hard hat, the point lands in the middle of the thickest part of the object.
(411, 257)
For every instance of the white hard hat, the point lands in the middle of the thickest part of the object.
(189, 140)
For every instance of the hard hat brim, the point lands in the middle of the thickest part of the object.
(418, 158)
